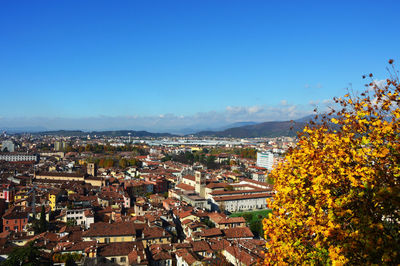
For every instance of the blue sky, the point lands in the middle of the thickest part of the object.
(161, 65)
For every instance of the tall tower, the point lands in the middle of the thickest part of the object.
(200, 183)
(91, 169)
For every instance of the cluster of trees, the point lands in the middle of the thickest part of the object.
(109, 162)
(29, 255)
(190, 158)
(248, 153)
(41, 225)
(68, 259)
(98, 148)
(209, 223)
(338, 192)
(207, 157)
(254, 221)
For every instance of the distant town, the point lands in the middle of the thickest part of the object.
(126, 200)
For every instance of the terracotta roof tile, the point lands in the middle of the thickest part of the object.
(114, 229)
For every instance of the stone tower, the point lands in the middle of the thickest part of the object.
(91, 169)
(200, 183)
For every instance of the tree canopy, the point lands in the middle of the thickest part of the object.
(338, 191)
(26, 255)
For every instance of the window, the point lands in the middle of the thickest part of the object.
(123, 259)
(113, 260)
(15, 227)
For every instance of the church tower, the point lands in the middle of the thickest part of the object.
(91, 169)
(200, 183)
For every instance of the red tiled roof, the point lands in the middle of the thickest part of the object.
(200, 246)
(241, 255)
(232, 220)
(114, 229)
(238, 232)
(189, 177)
(216, 185)
(119, 248)
(185, 186)
(211, 232)
(82, 245)
(217, 245)
(155, 232)
(186, 256)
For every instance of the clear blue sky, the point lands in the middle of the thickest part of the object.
(75, 59)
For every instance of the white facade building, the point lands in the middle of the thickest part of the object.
(265, 159)
(83, 217)
(249, 202)
(18, 157)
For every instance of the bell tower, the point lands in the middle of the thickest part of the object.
(91, 169)
(200, 183)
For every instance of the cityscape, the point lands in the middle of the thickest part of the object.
(177, 200)
(188, 133)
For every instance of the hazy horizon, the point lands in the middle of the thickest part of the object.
(160, 124)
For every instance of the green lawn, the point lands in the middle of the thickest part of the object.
(254, 220)
(254, 214)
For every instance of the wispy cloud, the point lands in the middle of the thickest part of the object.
(166, 122)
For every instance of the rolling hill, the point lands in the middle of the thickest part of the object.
(266, 129)
(110, 133)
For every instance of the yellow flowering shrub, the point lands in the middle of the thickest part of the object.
(338, 191)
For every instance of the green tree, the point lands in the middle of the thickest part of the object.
(26, 255)
(109, 163)
(210, 162)
(256, 228)
(123, 163)
(71, 223)
(70, 261)
(167, 157)
(229, 188)
(43, 221)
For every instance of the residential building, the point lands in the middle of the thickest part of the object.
(18, 157)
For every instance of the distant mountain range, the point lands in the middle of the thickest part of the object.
(110, 133)
(235, 130)
(190, 131)
(266, 129)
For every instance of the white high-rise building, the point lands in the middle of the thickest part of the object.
(265, 159)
